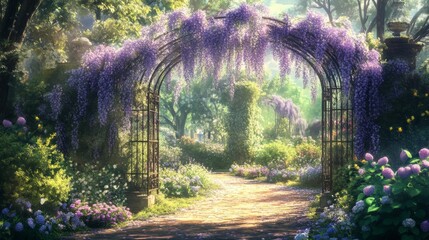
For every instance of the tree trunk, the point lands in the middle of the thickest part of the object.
(381, 15)
(180, 124)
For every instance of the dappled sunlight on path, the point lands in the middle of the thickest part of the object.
(240, 209)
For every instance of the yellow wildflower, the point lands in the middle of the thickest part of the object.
(412, 118)
(408, 120)
(426, 95)
(391, 128)
(356, 167)
(37, 118)
(423, 114)
(400, 129)
(363, 161)
(39, 126)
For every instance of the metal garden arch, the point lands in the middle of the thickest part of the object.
(337, 112)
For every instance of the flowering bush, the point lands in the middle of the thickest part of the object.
(187, 181)
(94, 184)
(98, 214)
(311, 176)
(275, 154)
(392, 204)
(308, 153)
(19, 221)
(32, 167)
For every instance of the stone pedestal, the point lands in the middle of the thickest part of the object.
(138, 201)
(402, 48)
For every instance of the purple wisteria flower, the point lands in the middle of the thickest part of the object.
(424, 153)
(21, 121)
(369, 190)
(424, 226)
(387, 189)
(382, 161)
(369, 157)
(19, 227)
(388, 173)
(7, 123)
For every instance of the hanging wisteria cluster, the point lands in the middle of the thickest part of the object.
(285, 108)
(228, 44)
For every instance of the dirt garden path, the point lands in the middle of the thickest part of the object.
(240, 209)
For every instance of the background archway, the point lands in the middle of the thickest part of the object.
(338, 64)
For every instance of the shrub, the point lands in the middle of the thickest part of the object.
(311, 176)
(210, 155)
(189, 180)
(307, 154)
(275, 154)
(242, 122)
(99, 214)
(169, 157)
(31, 168)
(256, 171)
(392, 204)
(92, 183)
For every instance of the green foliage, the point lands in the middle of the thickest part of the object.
(94, 184)
(307, 153)
(242, 122)
(211, 155)
(188, 181)
(112, 31)
(31, 170)
(275, 154)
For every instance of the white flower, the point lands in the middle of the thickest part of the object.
(409, 223)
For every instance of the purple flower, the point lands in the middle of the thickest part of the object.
(424, 226)
(5, 211)
(387, 189)
(382, 161)
(40, 219)
(404, 155)
(425, 164)
(415, 169)
(19, 227)
(21, 121)
(423, 153)
(369, 190)
(369, 157)
(361, 171)
(7, 123)
(388, 173)
(404, 172)
(30, 222)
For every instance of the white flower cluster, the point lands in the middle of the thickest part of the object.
(303, 235)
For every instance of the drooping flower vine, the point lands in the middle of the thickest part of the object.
(238, 39)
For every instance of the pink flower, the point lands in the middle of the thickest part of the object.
(7, 123)
(369, 157)
(387, 189)
(415, 168)
(21, 121)
(382, 161)
(388, 173)
(424, 153)
(403, 156)
(369, 190)
(425, 164)
(361, 171)
(403, 172)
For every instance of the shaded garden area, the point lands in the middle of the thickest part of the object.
(114, 113)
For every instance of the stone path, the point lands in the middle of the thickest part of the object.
(240, 209)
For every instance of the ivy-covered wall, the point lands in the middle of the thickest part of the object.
(242, 122)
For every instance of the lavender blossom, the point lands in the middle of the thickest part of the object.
(424, 226)
(369, 190)
(7, 123)
(388, 173)
(424, 153)
(382, 161)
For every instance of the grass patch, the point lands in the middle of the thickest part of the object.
(166, 206)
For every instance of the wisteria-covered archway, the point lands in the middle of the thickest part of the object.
(188, 44)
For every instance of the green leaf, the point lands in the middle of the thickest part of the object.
(360, 196)
(367, 178)
(369, 201)
(413, 191)
(387, 221)
(408, 154)
(420, 213)
(396, 205)
(373, 208)
(415, 231)
(402, 230)
(396, 190)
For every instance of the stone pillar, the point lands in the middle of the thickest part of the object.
(402, 48)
